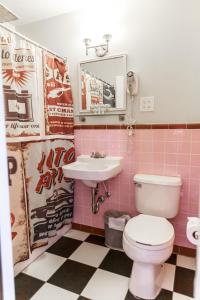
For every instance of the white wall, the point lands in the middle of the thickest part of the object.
(106, 69)
(7, 290)
(161, 39)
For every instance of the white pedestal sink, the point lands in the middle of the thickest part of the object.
(93, 170)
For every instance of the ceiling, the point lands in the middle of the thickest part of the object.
(29, 11)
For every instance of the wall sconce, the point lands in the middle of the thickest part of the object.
(100, 50)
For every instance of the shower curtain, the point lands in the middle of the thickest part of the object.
(39, 116)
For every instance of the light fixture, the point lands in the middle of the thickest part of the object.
(100, 50)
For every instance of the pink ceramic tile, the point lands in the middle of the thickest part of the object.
(195, 148)
(195, 173)
(172, 134)
(171, 159)
(161, 151)
(124, 135)
(194, 207)
(184, 147)
(146, 157)
(180, 221)
(183, 159)
(193, 190)
(124, 190)
(144, 146)
(182, 240)
(158, 146)
(184, 204)
(77, 134)
(159, 135)
(123, 151)
(183, 135)
(145, 168)
(171, 147)
(78, 214)
(195, 135)
(145, 134)
(177, 134)
(124, 177)
(195, 160)
(158, 169)
(125, 208)
(103, 134)
(114, 134)
(183, 171)
(159, 158)
(185, 187)
(170, 170)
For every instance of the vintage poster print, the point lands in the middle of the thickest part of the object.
(22, 77)
(92, 90)
(95, 91)
(50, 195)
(58, 96)
(17, 203)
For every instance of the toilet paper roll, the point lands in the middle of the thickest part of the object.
(193, 230)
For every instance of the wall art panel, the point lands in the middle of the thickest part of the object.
(17, 204)
(22, 76)
(50, 195)
(58, 96)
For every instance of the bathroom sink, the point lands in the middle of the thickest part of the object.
(93, 170)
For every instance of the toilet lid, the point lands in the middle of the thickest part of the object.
(149, 230)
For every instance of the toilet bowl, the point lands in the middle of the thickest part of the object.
(148, 238)
(148, 241)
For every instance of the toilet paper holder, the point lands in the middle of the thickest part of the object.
(193, 230)
(196, 235)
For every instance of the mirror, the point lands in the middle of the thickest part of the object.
(102, 85)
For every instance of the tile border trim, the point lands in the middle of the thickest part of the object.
(141, 126)
(99, 231)
(90, 229)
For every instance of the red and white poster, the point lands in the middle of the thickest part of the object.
(50, 195)
(22, 76)
(58, 96)
(92, 90)
(17, 203)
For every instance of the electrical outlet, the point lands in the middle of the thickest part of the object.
(147, 104)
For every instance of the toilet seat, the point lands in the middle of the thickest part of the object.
(149, 232)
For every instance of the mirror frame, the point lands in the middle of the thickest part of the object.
(111, 111)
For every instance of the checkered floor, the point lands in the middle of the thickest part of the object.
(80, 267)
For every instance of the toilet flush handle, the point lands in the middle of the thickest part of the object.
(139, 185)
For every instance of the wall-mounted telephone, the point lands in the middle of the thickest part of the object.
(132, 83)
(132, 90)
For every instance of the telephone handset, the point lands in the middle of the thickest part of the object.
(132, 90)
(132, 83)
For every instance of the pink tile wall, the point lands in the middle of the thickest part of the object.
(159, 151)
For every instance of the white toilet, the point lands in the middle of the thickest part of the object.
(148, 238)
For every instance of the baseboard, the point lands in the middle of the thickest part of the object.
(184, 251)
(89, 229)
(99, 231)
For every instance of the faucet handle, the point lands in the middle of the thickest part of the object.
(103, 154)
(92, 154)
(97, 155)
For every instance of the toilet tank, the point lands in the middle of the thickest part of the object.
(157, 195)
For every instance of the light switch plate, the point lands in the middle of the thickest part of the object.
(147, 103)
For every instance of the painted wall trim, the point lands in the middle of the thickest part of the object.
(141, 126)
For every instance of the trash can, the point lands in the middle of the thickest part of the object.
(114, 223)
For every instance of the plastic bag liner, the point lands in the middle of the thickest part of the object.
(114, 222)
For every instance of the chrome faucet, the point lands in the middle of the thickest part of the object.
(97, 155)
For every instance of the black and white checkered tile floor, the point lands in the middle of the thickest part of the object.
(80, 267)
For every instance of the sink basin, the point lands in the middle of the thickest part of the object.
(93, 170)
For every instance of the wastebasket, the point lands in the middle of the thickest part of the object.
(114, 223)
